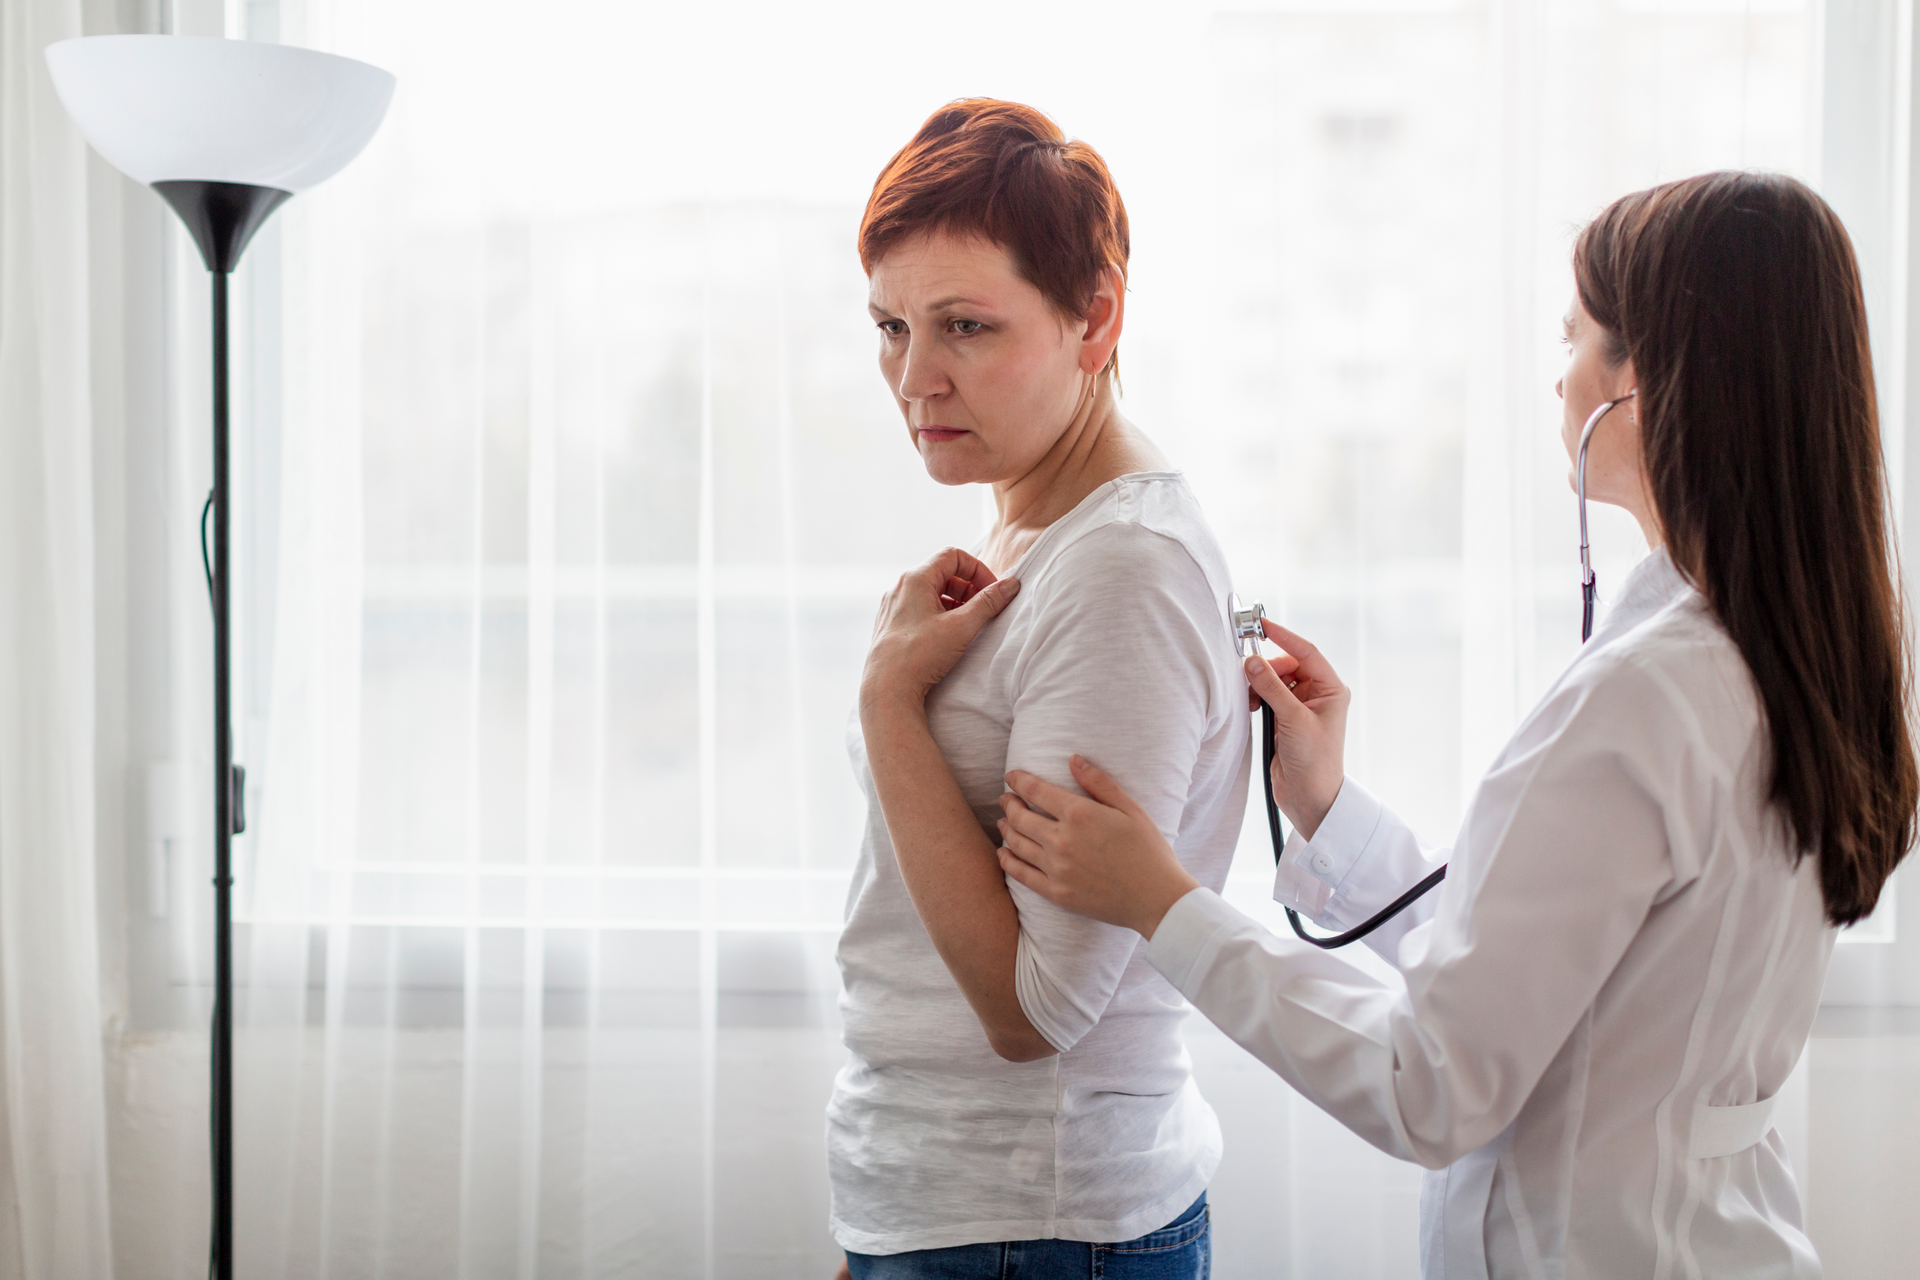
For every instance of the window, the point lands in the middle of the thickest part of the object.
(574, 487)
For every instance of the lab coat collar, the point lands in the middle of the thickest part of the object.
(1653, 584)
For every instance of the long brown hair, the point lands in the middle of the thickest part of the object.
(1737, 297)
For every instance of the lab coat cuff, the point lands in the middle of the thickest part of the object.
(1312, 871)
(1190, 936)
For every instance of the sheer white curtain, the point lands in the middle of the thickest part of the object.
(53, 1124)
(575, 485)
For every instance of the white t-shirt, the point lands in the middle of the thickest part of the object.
(1118, 646)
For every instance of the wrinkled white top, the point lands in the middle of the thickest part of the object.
(1117, 647)
(1621, 954)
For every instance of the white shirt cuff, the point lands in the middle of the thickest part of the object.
(1190, 935)
(1312, 871)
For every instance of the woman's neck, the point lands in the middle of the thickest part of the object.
(1098, 445)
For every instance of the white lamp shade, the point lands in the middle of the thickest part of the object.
(187, 108)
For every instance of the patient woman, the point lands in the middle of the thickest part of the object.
(1018, 1101)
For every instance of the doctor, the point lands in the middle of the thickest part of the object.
(1624, 961)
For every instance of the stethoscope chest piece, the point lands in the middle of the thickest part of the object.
(1247, 632)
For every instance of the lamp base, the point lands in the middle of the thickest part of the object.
(221, 216)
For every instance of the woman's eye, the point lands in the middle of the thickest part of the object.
(892, 328)
(966, 328)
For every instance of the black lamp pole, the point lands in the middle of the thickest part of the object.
(222, 217)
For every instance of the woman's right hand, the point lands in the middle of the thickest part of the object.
(1309, 726)
(925, 623)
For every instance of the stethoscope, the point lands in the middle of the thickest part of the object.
(1247, 634)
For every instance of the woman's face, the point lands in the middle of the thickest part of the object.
(1613, 455)
(986, 372)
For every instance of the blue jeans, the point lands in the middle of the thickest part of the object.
(1181, 1250)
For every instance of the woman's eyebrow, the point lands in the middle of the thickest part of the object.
(957, 300)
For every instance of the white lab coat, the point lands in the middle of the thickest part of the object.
(1619, 971)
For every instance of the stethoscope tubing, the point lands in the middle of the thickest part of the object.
(1361, 930)
(1589, 588)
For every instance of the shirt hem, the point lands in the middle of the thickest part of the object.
(1079, 1230)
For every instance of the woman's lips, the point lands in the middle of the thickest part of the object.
(938, 434)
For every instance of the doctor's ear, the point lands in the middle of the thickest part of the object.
(1629, 377)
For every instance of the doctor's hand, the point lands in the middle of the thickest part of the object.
(925, 623)
(1309, 726)
(1100, 856)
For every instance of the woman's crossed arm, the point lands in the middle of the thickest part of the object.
(947, 861)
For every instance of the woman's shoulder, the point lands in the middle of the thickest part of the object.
(1147, 530)
(1135, 584)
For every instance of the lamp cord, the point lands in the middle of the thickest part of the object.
(213, 1103)
(206, 559)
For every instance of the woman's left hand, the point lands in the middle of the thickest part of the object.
(926, 622)
(1101, 857)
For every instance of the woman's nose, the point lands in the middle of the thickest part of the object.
(1560, 387)
(920, 377)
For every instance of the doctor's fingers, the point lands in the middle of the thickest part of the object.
(1284, 665)
(1311, 664)
(1025, 847)
(1274, 690)
(1101, 786)
(1035, 826)
(1040, 794)
(1019, 869)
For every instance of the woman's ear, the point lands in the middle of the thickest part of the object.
(1106, 316)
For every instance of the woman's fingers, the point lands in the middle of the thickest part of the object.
(954, 563)
(985, 604)
(955, 579)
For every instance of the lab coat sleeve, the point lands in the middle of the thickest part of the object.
(1563, 852)
(1121, 668)
(1360, 859)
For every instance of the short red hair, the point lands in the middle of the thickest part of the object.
(1005, 172)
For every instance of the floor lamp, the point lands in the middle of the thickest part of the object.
(226, 131)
